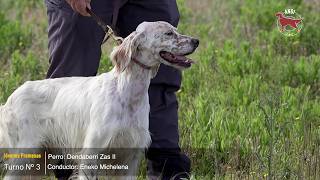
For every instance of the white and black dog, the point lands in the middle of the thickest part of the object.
(107, 111)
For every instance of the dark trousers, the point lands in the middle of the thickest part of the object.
(75, 50)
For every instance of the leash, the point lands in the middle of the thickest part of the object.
(110, 33)
(106, 28)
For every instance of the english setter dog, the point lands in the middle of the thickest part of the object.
(106, 111)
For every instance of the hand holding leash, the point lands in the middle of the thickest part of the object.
(80, 6)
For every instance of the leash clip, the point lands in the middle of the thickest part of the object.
(110, 33)
(106, 28)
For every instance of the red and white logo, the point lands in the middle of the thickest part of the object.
(289, 22)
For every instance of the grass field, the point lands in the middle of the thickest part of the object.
(250, 107)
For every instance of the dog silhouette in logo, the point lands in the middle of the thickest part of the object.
(287, 21)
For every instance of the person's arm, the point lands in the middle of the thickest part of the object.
(80, 6)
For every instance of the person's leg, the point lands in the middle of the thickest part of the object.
(164, 156)
(74, 43)
(75, 40)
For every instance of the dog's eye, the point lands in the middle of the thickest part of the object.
(169, 33)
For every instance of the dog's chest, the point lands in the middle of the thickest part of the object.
(133, 111)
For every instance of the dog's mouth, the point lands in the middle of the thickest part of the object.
(179, 60)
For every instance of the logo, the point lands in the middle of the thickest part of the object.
(289, 22)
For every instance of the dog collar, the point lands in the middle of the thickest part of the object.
(141, 64)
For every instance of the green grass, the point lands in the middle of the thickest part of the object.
(249, 108)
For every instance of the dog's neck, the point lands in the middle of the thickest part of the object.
(132, 85)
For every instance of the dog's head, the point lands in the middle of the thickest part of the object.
(153, 43)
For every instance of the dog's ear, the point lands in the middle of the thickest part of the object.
(122, 54)
(154, 71)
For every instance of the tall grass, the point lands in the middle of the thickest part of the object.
(250, 107)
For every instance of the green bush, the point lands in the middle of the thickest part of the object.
(21, 68)
(13, 36)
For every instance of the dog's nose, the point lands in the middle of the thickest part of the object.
(195, 42)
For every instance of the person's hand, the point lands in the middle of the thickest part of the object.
(80, 6)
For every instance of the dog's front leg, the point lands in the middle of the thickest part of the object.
(95, 142)
(132, 160)
(88, 167)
